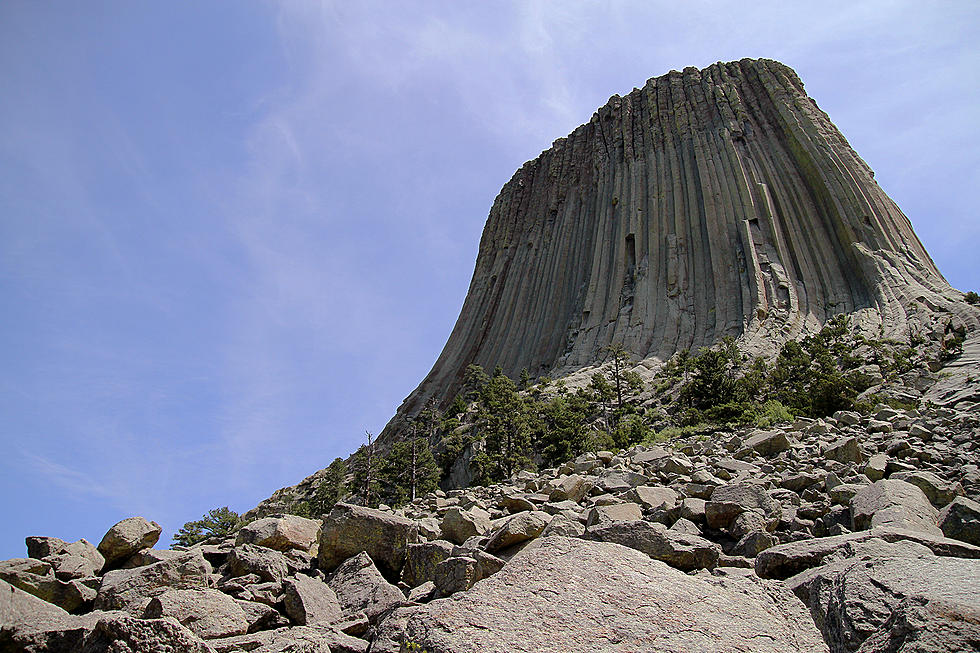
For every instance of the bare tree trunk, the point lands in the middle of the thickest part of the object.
(367, 475)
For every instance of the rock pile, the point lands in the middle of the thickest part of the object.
(854, 533)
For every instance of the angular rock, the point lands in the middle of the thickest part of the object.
(360, 587)
(280, 533)
(127, 537)
(578, 586)
(459, 525)
(518, 528)
(421, 560)
(852, 598)
(563, 525)
(309, 601)
(206, 613)
(766, 443)
(132, 635)
(298, 639)
(613, 512)
(939, 491)
(570, 488)
(653, 497)
(729, 501)
(844, 450)
(132, 589)
(875, 469)
(679, 550)
(961, 520)
(37, 577)
(148, 557)
(456, 574)
(791, 558)
(895, 504)
(267, 564)
(350, 529)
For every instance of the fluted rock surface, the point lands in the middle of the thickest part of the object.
(710, 202)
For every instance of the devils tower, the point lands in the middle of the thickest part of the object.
(709, 203)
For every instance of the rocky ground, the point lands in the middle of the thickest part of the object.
(856, 533)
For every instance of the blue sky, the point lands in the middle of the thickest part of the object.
(235, 235)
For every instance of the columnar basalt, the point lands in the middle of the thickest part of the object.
(709, 203)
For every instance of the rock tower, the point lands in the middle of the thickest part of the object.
(709, 203)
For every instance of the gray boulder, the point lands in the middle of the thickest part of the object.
(612, 513)
(459, 525)
(564, 525)
(309, 601)
(852, 598)
(729, 501)
(37, 577)
(207, 613)
(518, 528)
(127, 537)
(961, 520)
(267, 564)
(939, 491)
(680, 550)
(316, 638)
(127, 634)
(844, 450)
(568, 595)
(765, 443)
(895, 504)
(791, 558)
(281, 533)
(421, 560)
(360, 587)
(653, 497)
(350, 529)
(132, 589)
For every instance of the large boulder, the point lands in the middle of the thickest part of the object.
(680, 550)
(70, 561)
(854, 597)
(37, 577)
(518, 528)
(653, 497)
(280, 533)
(459, 525)
(317, 638)
(360, 587)
(126, 538)
(350, 529)
(127, 634)
(24, 618)
(791, 558)
(132, 589)
(421, 560)
(765, 443)
(938, 490)
(729, 501)
(570, 488)
(310, 601)
(961, 520)
(894, 504)
(207, 613)
(574, 596)
(267, 564)
(844, 450)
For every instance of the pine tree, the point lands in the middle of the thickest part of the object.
(219, 522)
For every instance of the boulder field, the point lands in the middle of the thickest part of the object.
(847, 534)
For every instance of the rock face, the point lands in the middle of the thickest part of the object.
(710, 202)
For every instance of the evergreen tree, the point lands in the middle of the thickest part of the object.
(364, 468)
(408, 471)
(219, 522)
(332, 488)
(502, 414)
